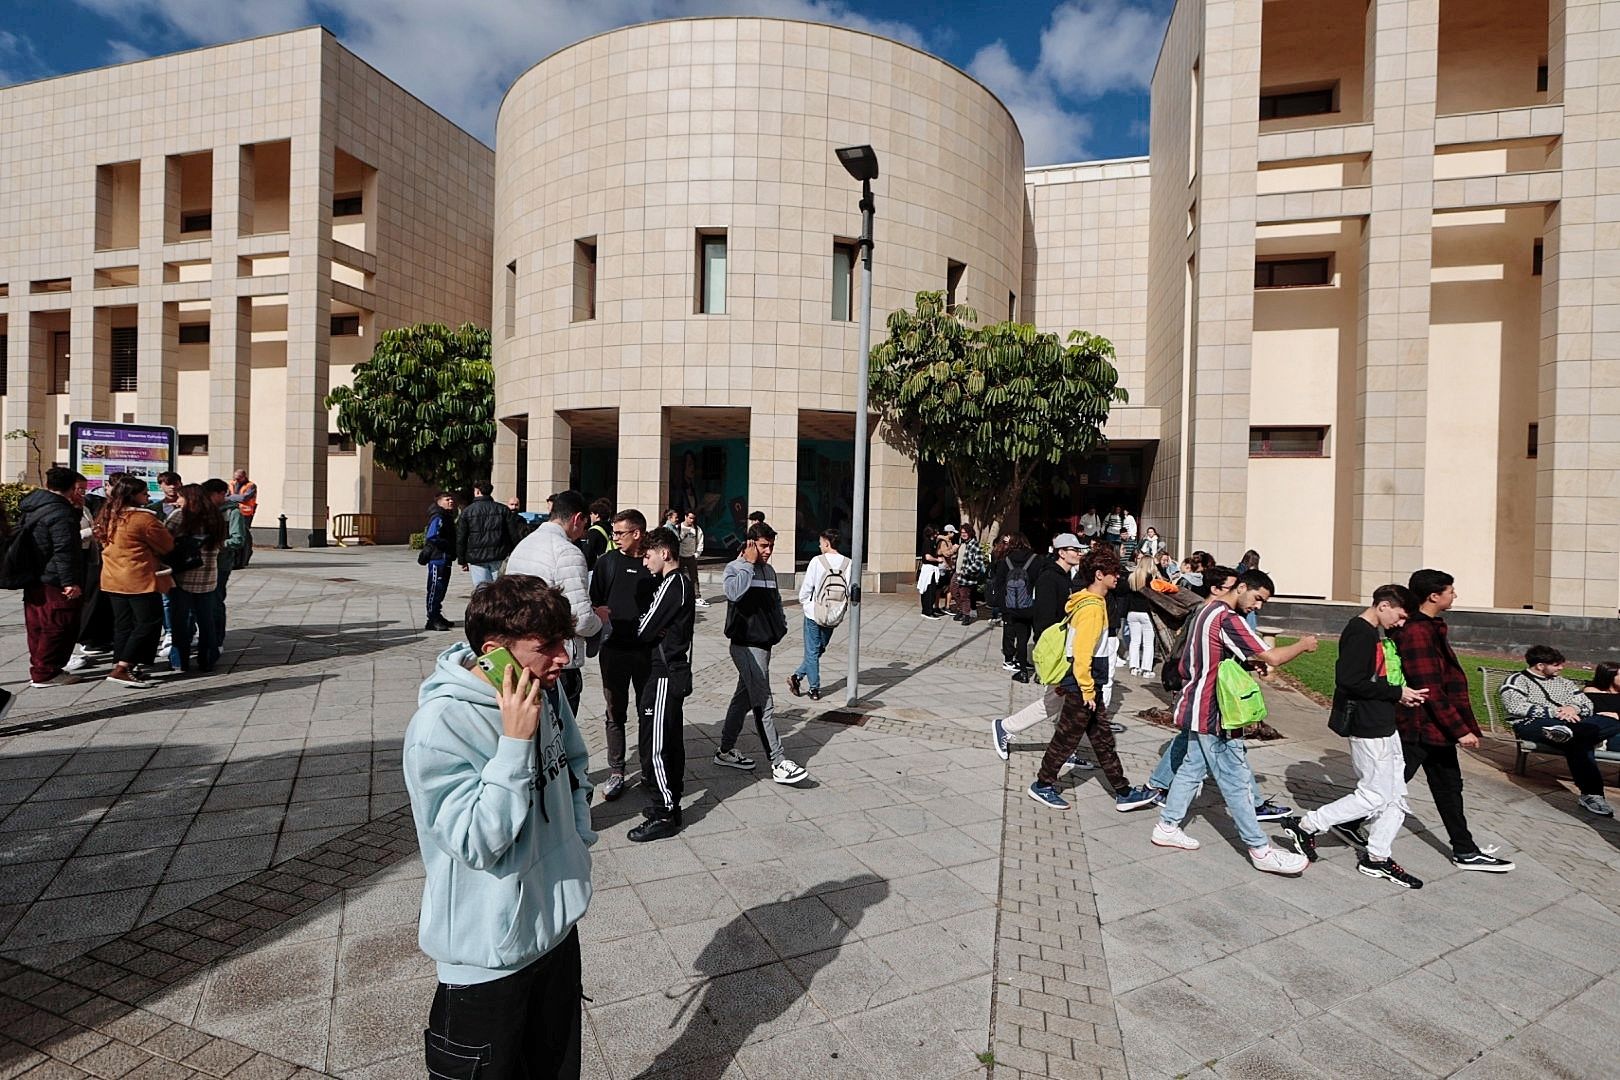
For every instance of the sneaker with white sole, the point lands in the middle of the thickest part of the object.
(1592, 804)
(1010, 665)
(77, 662)
(789, 772)
(1270, 811)
(1353, 833)
(1482, 860)
(999, 736)
(700, 602)
(1274, 860)
(733, 760)
(130, 680)
(1047, 795)
(1387, 868)
(1555, 733)
(1077, 762)
(1171, 836)
(1136, 798)
(61, 678)
(1304, 840)
(613, 787)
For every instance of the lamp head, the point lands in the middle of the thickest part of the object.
(860, 162)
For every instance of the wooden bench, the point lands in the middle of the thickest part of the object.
(354, 528)
(1496, 721)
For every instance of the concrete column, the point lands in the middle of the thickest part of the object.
(891, 513)
(28, 361)
(643, 451)
(1392, 329)
(503, 469)
(303, 493)
(1217, 454)
(157, 358)
(230, 352)
(551, 443)
(773, 477)
(1577, 571)
(90, 364)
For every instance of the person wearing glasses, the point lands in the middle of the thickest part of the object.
(624, 586)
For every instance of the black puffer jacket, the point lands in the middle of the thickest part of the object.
(1053, 587)
(53, 525)
(484, 532)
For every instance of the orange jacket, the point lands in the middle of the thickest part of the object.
(130, 561)
(246, 496)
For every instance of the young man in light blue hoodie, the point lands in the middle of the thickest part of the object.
(497, 780)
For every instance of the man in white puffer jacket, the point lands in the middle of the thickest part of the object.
(551, 553)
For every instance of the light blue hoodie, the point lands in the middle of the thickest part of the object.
(508, 873)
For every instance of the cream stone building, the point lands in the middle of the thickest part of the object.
(212, 240)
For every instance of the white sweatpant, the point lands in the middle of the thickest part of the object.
(1380, 795)
(1046, 707)
(1141, 651)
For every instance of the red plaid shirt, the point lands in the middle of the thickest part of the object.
(1428, 663)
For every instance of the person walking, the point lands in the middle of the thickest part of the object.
(666, 629)
(133, 544)
(754, 624)
(824, 599)
(1367, 689)
(438, 548)
(622, 585)
(691, 535)
(1084, 714)
(552, 553)
(1012, 585)
(1113, 527)
(496, 773)
(1139, 617)
(199, 537)
(51, 600)
(486, 532)
(1217, 632)
(1432, 732)
(1055, 580)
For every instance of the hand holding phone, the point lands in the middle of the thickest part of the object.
(517, 692)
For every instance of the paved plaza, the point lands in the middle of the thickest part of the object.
(219, 878)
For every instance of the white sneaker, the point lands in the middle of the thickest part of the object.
(1274, 860)
(165, 643)
(1596, 804)
(1171, 836)
(63, 679)
(76, 662)
(700, 602)
(788, 772)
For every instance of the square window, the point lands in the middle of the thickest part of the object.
(345, 326)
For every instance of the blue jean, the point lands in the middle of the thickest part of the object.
(483, 573)
(816, 638)
(1174, 754)
(1227, 760)
(188, 611)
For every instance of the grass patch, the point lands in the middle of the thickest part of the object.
(1315, 671)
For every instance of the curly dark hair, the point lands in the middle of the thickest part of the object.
(1101, 561)
(516, 607)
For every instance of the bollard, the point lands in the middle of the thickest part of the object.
(281, 534)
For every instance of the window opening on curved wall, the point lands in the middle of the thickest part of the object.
(843, 280)
(711, 272)
(584, 279)
(953, 282)
(509, 318)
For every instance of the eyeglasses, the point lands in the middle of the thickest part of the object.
(623, 532)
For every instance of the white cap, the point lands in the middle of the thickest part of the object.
(950, 528)
(1065, 540)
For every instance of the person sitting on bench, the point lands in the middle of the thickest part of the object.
(1604, 690)
(1543, 706)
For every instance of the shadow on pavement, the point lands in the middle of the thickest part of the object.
(723, 1008)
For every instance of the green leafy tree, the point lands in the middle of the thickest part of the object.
(990, 403)
(425, 403)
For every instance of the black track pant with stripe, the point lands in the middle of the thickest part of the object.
(662, 739)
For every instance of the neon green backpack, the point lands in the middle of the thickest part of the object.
(1051, 663)
(1392, 665)
(1238, 696)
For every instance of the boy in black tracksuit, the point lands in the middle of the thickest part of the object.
(622, 584)
(666, 628)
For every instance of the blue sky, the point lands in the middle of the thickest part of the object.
(1074, 72)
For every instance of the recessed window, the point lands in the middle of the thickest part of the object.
(1532, 441)
(199, 221)
(585, 279)
(1537, 254)
(61, 361)
(711, 283)
(3, 344)
(1288, 442)
(125, 359)
(1012, 307)
(1541, 77)
(345, 326)
(349, 204)
(953, 282)
(843, 280)
(1293, 273)
(193, 445)
(50, 285)
(510, 304)
(339, 443)
(194, 333)
(1312, 101)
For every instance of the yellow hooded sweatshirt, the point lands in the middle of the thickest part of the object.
(1088, 623)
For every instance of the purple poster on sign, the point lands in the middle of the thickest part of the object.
(103, 450)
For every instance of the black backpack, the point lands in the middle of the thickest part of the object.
(21, 563)
(1170, 673)
(1020, 596)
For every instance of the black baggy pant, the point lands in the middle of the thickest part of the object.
(623, 670)
(1444, 773)
(523, 1027)
(1015, 631)
(137, 625)
(662, 739)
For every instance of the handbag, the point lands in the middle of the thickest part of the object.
(1342, 717)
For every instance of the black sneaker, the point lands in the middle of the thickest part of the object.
(1479, 860)
(660, 826)
(1304, 842)
(1387, 868)
(1353, 832)
(796, 685)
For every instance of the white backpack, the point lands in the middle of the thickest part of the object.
(832, 594)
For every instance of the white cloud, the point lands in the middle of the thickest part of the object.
(19, 61)
(121, 52)
(1052, 132)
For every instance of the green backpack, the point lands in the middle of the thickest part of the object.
(1238, 696)
(1051, 663)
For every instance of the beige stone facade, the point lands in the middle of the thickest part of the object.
(212, 240)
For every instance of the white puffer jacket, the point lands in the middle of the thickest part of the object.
(548, 554)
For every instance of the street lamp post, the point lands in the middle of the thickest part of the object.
(861, 162)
